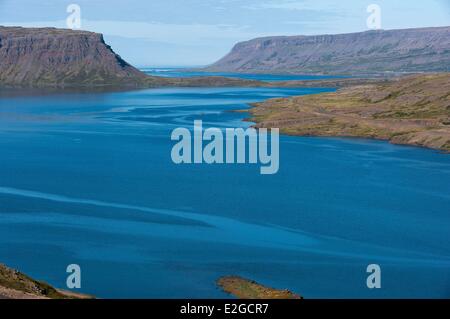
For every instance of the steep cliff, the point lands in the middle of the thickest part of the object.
(58, 57)
(408, 50)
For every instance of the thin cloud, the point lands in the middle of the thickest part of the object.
(292, 5)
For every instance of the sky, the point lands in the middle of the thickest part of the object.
(168, 33)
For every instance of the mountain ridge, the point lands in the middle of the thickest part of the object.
(64, 58)
(369, 52)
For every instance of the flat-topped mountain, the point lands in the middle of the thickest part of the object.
(48, 57)
(370, 52)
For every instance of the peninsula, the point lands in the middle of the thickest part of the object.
(413, 110)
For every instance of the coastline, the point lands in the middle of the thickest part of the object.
(154, 82)
(16, 285)
(413, 110)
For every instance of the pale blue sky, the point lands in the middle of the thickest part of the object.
(198, 32)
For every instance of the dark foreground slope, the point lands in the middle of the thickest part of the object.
(371, 52)
(15, 285)
(413, 110)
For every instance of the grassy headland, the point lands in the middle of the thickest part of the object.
(412, 110)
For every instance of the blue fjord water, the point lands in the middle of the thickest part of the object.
(88, 179)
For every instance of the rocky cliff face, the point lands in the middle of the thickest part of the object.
(409, 50)
(57, 57)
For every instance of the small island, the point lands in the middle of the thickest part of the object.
(247, 289)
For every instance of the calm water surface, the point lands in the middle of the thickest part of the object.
(88, 179)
